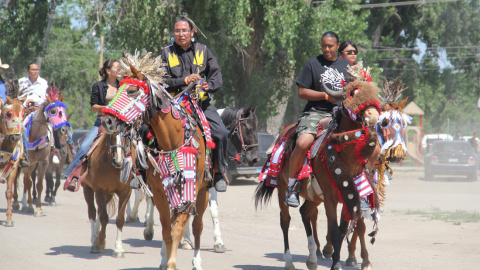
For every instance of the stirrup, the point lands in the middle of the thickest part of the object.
(73, 184)
(292, 199)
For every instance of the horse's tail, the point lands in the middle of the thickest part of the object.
(263, 194)
(112, 206)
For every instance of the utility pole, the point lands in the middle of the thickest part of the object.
(100, 64)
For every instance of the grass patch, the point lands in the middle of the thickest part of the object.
(456, 217)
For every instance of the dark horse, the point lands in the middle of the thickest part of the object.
(348, 151)
(242, 126)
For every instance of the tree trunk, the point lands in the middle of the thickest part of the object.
(47, 33)
(275, 122)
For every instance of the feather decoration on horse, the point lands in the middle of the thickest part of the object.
(357, 72)
(392, 90)
(152, 69)
(12, 88)
(53, 93)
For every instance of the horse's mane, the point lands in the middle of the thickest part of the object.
(229, 116)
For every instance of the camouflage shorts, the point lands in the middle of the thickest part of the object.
(308, 122)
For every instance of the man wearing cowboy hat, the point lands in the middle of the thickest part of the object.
(3, 89)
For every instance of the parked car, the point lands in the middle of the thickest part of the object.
(451, 158)
(241, 169)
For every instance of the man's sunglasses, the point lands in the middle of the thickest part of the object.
(350, 52)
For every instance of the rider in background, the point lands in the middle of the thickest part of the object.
(348, 50)
(102, 93)
(191, 62)
(3, 89)
(319, 106)
(34, 89)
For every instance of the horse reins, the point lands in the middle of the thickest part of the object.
(237, 128)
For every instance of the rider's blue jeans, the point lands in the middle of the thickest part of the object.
(84, 147)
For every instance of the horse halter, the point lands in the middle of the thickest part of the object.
(12, 121)
(238, 130)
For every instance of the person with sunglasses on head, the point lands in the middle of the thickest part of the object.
(103, 92)
(189, 61)
(348, 50)
(319, 106)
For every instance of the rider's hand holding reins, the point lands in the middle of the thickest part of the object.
(192, 78)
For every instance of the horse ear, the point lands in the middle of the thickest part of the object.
(136, 73)
(402, 103)
(253, 108)
(61, 98)
(9, 100)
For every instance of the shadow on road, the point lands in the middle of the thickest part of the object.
(143, 243)
(243, 181)
(298, 260)
(83, 252)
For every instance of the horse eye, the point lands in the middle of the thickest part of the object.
(53, 111)
(9, 115)
(384, 123)
(353, 93)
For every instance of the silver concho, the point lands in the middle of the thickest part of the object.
(338, 171)
(350, 196)
(345, 183)
(195, 143)
(332, 159)
(358, 134)
(346, 137)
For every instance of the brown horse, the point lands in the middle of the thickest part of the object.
(101, 181)
(338, 161)
(40, 141)
(173, 137)
(11, 145)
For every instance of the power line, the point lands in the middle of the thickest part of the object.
(406, 3)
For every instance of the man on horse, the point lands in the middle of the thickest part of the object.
(319, 106)
(191, 62)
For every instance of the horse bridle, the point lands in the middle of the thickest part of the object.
(237, 129)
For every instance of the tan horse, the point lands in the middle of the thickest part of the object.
(360, 100)
(170, 132)
(11, 142)
(40, 141)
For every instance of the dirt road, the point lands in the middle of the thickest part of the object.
(61, 238)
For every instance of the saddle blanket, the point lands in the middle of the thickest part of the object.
(274, 164)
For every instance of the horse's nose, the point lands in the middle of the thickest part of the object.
(108, 122)
(14, 138)
(255, 161)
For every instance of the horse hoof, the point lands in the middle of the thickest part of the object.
(96, 249)
(327, 254)
(337, 266)
(367, 266)
(15, 206)
(30, 210)
(311, 265)
(187, 246)
(130, 219)
(319, 255)
(351, 262)
(219, 248)
(9, 223)
(38, 214)
(147, 236)
(52, 203)
(47, 199)
(119, 254)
